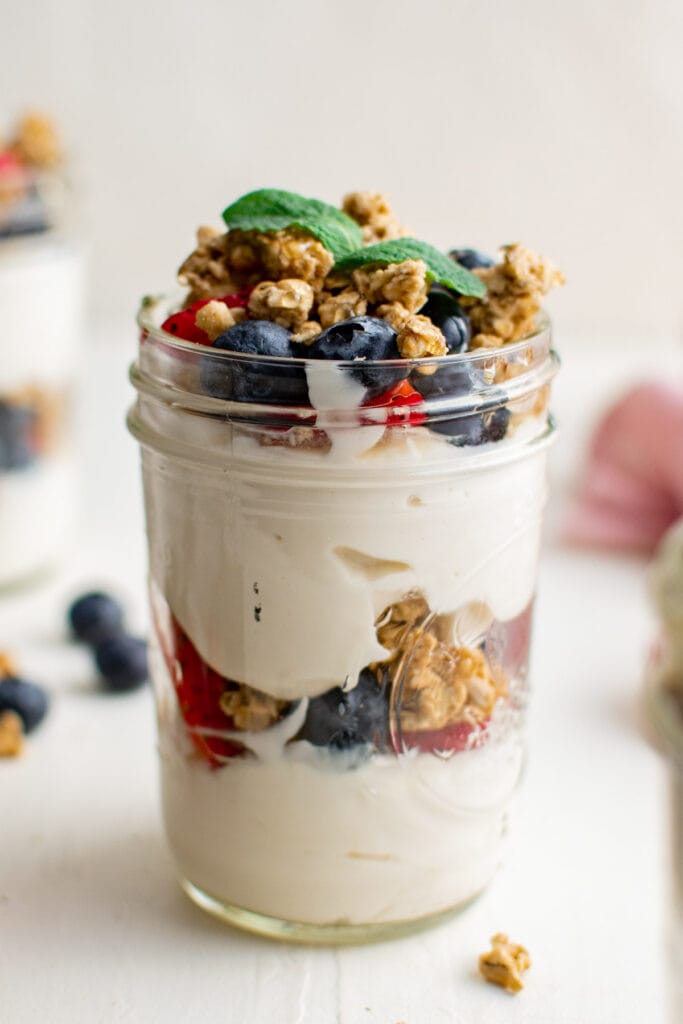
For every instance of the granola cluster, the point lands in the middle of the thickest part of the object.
(372, 210)
(250, 709)
(296, 284)
(443, 684)
(505, 963)
(227, 262)
(11, 734)
(36, 142)
(515, 286)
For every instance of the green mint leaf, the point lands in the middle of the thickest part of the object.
(272, 209)
(440, 267)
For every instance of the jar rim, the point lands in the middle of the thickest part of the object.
(167, 303)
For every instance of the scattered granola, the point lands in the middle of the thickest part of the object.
(215, 317)
(373, 212)
(11, 734)
(36, 142)
(509, 309)
(250, 709)
(8, 666)
(342, 306)
(504, 964)
(419, 337)
(286, 302)
(442, 683)
(405, 283)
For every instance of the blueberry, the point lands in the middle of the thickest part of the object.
(16, 428)
(122, 662)
(471, 259)
(456, 378)
(342, 719)
(95, 617)
(443, 310)
(362, 338)
(251, 381)
(27, 699)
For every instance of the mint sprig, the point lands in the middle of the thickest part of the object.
(440, 267)
(273, 209)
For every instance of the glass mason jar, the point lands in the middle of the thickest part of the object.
(342, 569)
(41, 304)
(665, 705)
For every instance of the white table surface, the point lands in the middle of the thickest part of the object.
(93, 927)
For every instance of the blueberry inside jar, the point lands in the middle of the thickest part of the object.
(344, 476)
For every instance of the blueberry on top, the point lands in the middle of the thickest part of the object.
(443, 310)
(342, 719)
(122, 662)
(471, 259)
(362, 338)
(244, 381)
(95, 616)
(26, 699)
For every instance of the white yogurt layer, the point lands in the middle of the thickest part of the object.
(41, 299)
(278, 574)
(37, 515)
(303, 837)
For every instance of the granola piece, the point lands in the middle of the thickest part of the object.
(396, 620)
(286, 302)
(515, 287)
(205, 270)
(404, 282)
(36, 141)
(373, 212)
(307, 333)
(11, 734)
(294, 253)
(343, 306)
(8, 665)
(442, 683)
(250, 709)
(395, 314)
(301, 438)
(505, 963)
(419, 338)
(214, 318)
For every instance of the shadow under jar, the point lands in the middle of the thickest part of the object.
(343, 561)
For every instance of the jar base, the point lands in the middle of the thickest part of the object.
(303, 933)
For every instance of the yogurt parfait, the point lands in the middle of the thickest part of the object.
(344, 435)
(40, 298)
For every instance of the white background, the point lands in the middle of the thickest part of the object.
(559, 124)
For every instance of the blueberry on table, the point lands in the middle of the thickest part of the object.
(94, 617)
(122, 662)
(471, 259)
(26, 699)
(361, 339)
(343, 719)
(443, 310)
(16, 427)
(254, 381)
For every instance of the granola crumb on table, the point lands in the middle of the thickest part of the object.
(505, 963)
(11, 734)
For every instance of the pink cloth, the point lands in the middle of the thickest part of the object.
(632, 488)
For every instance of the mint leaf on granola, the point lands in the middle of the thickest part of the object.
(273, 209)
(440, 267)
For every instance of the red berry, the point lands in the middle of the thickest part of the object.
(9, 165)
(198, 689)
(451, 739)
(399, 396)
(183, 325)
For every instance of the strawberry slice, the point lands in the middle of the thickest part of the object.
(199, 689)
(182, 324)
(396, 399)
(451, 739)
